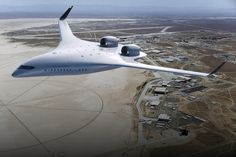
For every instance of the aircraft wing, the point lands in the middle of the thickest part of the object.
(68, 39)
(170, 70)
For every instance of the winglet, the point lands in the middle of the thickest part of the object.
(64, 16)
(217, 69)
(66, 34)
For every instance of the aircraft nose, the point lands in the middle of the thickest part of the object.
(17, 73)
(22, 71)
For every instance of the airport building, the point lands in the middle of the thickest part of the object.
(155, 103)
(160, 90)
(163, 118)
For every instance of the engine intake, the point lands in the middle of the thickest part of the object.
(130, 50)
(109, 42)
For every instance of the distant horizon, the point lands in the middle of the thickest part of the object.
(105, 14)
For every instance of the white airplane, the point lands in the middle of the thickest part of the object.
(74, 56)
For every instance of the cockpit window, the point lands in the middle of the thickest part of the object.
(26, 67)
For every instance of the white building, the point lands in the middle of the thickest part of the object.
(164, 118)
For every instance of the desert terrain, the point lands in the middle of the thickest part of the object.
(99, 114)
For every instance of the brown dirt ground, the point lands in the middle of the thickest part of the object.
(228, 68)
(205, 143)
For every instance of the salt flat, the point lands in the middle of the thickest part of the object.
(62, 116)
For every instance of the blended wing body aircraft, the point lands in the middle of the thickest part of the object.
(74, 56)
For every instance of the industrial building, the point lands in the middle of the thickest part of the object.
(155, 103)
(160, 90)
(164, 118)
(194, 89)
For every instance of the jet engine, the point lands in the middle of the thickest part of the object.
(130, 50)
(109, 42)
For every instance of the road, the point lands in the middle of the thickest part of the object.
(161, 76)
(141, 138)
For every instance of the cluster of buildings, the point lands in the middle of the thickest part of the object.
(161, 106)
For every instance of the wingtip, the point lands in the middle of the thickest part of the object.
(67, 12)
(214, 71)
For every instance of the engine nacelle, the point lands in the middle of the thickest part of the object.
(109, 42)
(130, 50)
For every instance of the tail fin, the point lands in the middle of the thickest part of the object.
(65, 31)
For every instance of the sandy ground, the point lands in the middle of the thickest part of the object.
(62, 116)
